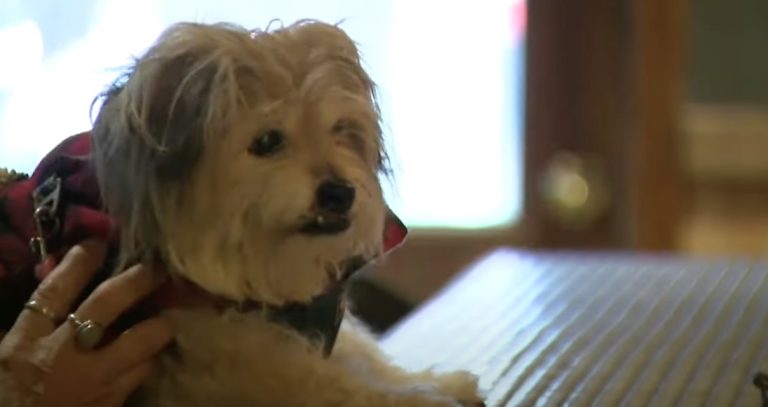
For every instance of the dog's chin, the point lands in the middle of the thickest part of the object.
(284, 263)
(312, 261)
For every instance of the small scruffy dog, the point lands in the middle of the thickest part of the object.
(248, 162)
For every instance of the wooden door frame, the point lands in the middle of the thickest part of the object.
(603, 77)
(662, 191)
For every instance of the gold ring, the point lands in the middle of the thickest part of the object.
(36, 306)
(88, 333)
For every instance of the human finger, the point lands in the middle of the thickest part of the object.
(117, 392)
(61, 287)
(138, 344)
(118, 294)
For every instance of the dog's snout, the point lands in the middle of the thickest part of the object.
(335, 196)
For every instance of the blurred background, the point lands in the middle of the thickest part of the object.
(630, 125)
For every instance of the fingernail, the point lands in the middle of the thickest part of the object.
(95, 246)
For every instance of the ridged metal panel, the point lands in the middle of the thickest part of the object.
(576, 329)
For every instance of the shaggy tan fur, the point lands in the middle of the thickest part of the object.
(173, 152)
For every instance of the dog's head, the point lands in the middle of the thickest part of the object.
(247, 161)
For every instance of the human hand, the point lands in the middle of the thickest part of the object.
(41, 363)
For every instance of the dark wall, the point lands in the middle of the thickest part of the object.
(729, 52)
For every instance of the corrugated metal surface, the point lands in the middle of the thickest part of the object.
(597, 330)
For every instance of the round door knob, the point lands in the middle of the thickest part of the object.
(574, 190)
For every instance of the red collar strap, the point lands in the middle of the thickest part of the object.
(72, 211)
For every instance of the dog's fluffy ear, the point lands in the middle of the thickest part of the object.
(172, 121)
(153, 123)
(160, 105)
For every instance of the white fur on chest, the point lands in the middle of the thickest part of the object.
(244, 360)
(228, 359)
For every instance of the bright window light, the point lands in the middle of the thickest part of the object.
(450, 78)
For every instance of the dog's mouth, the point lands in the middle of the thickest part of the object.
(326, 224)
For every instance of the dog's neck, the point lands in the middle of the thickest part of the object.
(318, 320)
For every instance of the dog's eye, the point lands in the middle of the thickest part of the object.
(353, 134)
(267, 143)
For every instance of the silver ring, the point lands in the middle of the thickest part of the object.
(88, 333)
(36, 306)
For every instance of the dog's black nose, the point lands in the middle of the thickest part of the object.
(335, 196)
